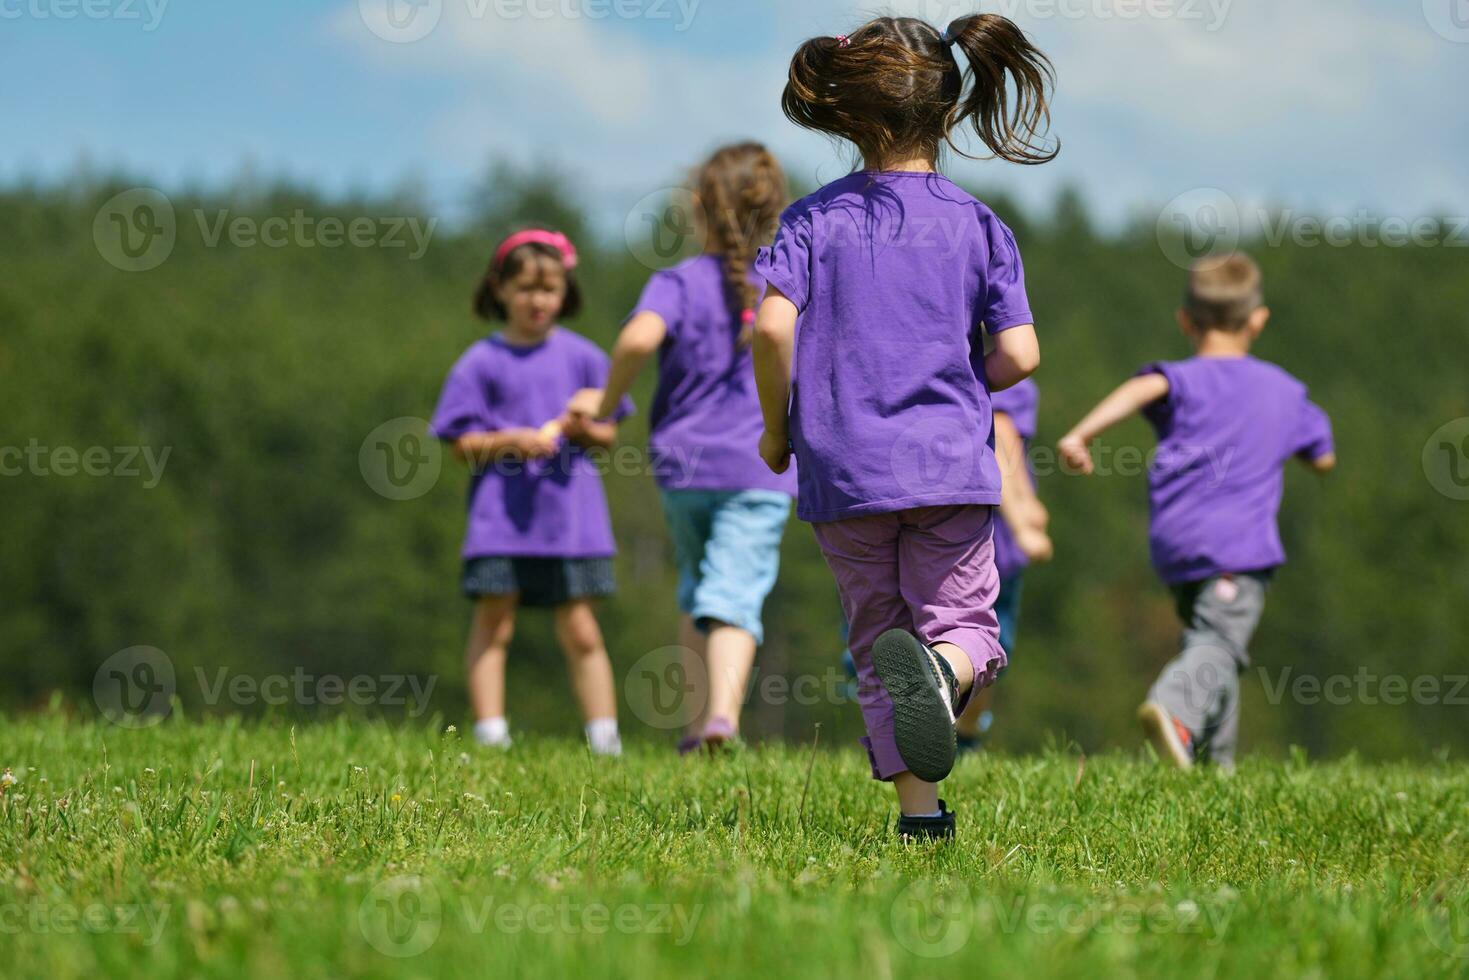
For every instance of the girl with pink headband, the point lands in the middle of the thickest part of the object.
(539, 533)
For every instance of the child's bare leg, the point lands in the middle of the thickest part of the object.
(916, 797)
(490, 632)
(695, 662)
(731, 657)
(591, 673)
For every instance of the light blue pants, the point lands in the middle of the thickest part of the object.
(727, 546)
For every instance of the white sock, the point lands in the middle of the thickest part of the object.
(602, 736)
(492, 733)
(925, 816)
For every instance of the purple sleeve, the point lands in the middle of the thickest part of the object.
(786, 264)
(1006, 304)
(1313, 436)
(1160, 412)
(597, 366)
(1022, 404)
(464, 403)
(663, 295)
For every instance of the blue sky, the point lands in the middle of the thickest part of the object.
(1331, 105)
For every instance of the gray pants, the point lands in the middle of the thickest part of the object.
(1200, 687)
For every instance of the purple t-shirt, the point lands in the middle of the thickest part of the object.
(894, 274)
(1225, 432)
(547, 508)
(1022, 404)
(705, 420)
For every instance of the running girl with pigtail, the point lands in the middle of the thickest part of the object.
(895, 276)
(726, 512)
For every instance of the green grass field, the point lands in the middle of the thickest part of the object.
(350, 848)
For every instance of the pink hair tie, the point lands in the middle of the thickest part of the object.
(843, 41)
(747, 317)
(538, 236)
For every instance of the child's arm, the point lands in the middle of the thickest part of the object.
(485, 448)
(1323, 464)
(1122, 403)
(642, 336)
(589, 433)
(1020, 508)
(774, 347)
(1016, 356)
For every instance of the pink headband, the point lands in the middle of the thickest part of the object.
(538, 236)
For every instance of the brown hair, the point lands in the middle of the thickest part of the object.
(743, 191)
(895, 87)
(487, 305)
(1224, 292)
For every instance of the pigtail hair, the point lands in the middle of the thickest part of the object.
(1008, 102)
(743, 192)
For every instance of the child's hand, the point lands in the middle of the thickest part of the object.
(537, 443)
(1035, 543)
(577, 426)
(776, 451)
(1076, 454)
(586, 403)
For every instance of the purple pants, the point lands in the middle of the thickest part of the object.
(930, 571)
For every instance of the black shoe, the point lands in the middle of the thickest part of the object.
(940, 827)
(925, 697)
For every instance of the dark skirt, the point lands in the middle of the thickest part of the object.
(540, 582)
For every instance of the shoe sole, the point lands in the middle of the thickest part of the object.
(1158, 726)
(923, 724)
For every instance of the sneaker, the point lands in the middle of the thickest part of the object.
(925, 697)
(940, 827)
(718, 734)
(1174, 742)
(690, 744)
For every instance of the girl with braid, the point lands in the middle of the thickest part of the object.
(726, 511)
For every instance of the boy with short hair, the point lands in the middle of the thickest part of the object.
(1227, 424)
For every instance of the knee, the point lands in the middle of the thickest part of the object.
(581, 638)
